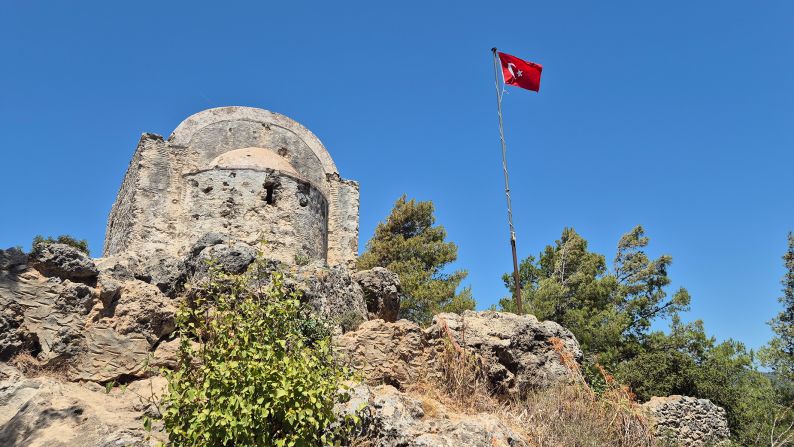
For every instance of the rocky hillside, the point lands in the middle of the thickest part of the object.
(80, 338)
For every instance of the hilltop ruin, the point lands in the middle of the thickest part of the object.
(246, 173)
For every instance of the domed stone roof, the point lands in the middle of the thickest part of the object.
(254, 158)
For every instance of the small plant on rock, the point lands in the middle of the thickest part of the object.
(80, 244)
(253, 369)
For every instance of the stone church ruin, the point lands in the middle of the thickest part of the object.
(246, 173)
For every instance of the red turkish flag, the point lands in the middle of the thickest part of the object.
(520, 73)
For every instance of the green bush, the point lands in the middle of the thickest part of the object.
(80, 244)
(254, 368)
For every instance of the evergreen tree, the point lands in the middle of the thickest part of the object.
(779, 353)
(609, 312)
(410, 244)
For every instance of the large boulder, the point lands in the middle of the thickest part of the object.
(230, 257)
(331, 292)
(394, 419)
(689, 421)
(13, 258)
(382, 292)
(516, 352)
(162, 271)
(63, 261)
(121, 335)
(391, 353)
(519, 352)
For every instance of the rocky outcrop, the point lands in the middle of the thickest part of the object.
(394, 419)
(391, 353)
(41, 411)
(517, 352)
(100, 331)
(12, 258)
(218, 250)
(331, 292)
(688, 421)
(103, 319)
(382, 292)
(63, 261)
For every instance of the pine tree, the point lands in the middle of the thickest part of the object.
(779, 353)
(609, 312)
(410, 244)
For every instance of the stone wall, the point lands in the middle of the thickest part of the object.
(290, 215)
(343, 222)
(122, 221)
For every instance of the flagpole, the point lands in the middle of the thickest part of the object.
(516, 277)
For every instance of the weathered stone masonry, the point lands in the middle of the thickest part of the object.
(246, 173)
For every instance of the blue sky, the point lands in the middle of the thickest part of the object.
(674, 115)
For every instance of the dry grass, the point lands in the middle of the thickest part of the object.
(567, 415)
(32, 367)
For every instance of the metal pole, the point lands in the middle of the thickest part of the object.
(516, 277)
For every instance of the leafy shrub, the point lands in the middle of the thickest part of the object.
(80, 244)
(254, 367)
(301, 259)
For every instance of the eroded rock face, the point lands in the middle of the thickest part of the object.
(518, 352)
(382, 292)
(229, 257)
(120, 337)
(43, 315)
(394, 419)
(688, 421)
(12, 258)
(391, 353)
(98, 331)
(38, 412)
(331, 292)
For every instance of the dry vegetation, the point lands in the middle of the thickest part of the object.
(567, 415)
(30, 366)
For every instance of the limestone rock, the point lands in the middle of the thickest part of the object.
(688, 421)
(165, 272)
(13, 258)
(391, 353)
(395, 419)
(43, 315)
(331, 292)
(229, 257)
(382, 292)
(63, 261)
(42, 411)
(166, 354)
(96, 333)
(518, 351)
(120, 336)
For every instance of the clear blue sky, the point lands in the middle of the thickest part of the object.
(676, 115)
